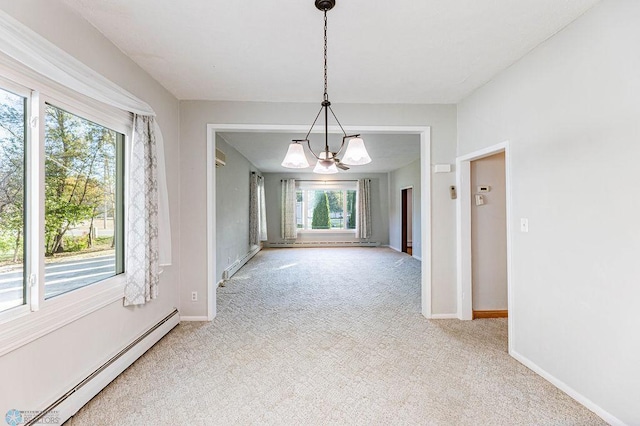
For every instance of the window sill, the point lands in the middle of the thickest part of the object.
(57, 312)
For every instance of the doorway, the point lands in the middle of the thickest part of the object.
(424, 132)
(480, 195)
(407, 220)
(489, 237)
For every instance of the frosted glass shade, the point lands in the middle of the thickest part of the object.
(356, 153)
(295, 158)
(324, 169)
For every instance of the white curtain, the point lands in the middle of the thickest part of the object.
(257, 211)
(26, 50)
(288, 225)
(263, 210)
(142, 219)
(364, 209)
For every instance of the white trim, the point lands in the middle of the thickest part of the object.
(417, 257)
(61, 96)
(395, 249)
(463, 228)
(425, 223)
(211, 224)
(194, 318)
(425, 182)
(82, 395)
(601, 412)
(444, 316)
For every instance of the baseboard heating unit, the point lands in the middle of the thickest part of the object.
(324, 244)
(235, 266)
(69, 403)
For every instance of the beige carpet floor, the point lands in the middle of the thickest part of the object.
(315, 337)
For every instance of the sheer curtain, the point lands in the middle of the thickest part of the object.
(148, 224)
(364, 209)
(257, 211)
(263, 210)
(288, 225)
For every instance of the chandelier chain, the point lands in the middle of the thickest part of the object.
(326, 95)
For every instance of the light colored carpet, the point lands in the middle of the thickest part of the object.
(313, 336)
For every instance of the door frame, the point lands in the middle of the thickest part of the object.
(424, 132)
(463, 225)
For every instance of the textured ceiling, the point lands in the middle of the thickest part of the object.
(404, 51)
(266, 150)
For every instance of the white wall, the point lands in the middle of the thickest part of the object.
(38, 373)
(232, 207)
(571, 111)
(379, 206)
(195, 115)
(407, 176)
(489, 234)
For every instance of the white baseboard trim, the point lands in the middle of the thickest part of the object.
(395, 248)
(323, 244)
(444, 316)
(605, 415)
(194, 318)
(69, 404)
(235, 266)
(417, 258)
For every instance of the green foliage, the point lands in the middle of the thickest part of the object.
(12, 143)
(75, 244)
(79, 174)
(335, 201)
(79, 181)
(351, 209)
(321, 212)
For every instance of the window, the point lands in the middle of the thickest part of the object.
(13, 291)
(83, 221)
(61, 198)
(326, 208)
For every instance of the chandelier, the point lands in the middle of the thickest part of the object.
(328, 161)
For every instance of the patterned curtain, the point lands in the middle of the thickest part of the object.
(288, 226)
(263, 210)
(364, 208)
(254, 211)
(142, 254)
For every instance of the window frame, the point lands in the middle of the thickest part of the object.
(325, 185)
(39, 316)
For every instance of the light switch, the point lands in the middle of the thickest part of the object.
(524, 225)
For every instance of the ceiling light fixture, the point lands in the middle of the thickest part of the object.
(328, 161)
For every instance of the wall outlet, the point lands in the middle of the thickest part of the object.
(194, 296)
(524, 225)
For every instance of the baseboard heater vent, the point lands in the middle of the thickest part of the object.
(69, 403)
(235, 266)
(325, 244)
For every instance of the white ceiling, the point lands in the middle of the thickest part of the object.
(266, 150)
(401, 51)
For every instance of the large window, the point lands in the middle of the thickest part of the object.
(61, 200)
(326, 208)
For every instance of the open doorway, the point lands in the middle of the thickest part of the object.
(479, 194)
(424, 134)
(489, 237)
(407, 220)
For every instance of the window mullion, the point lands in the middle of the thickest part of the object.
(35, 202)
